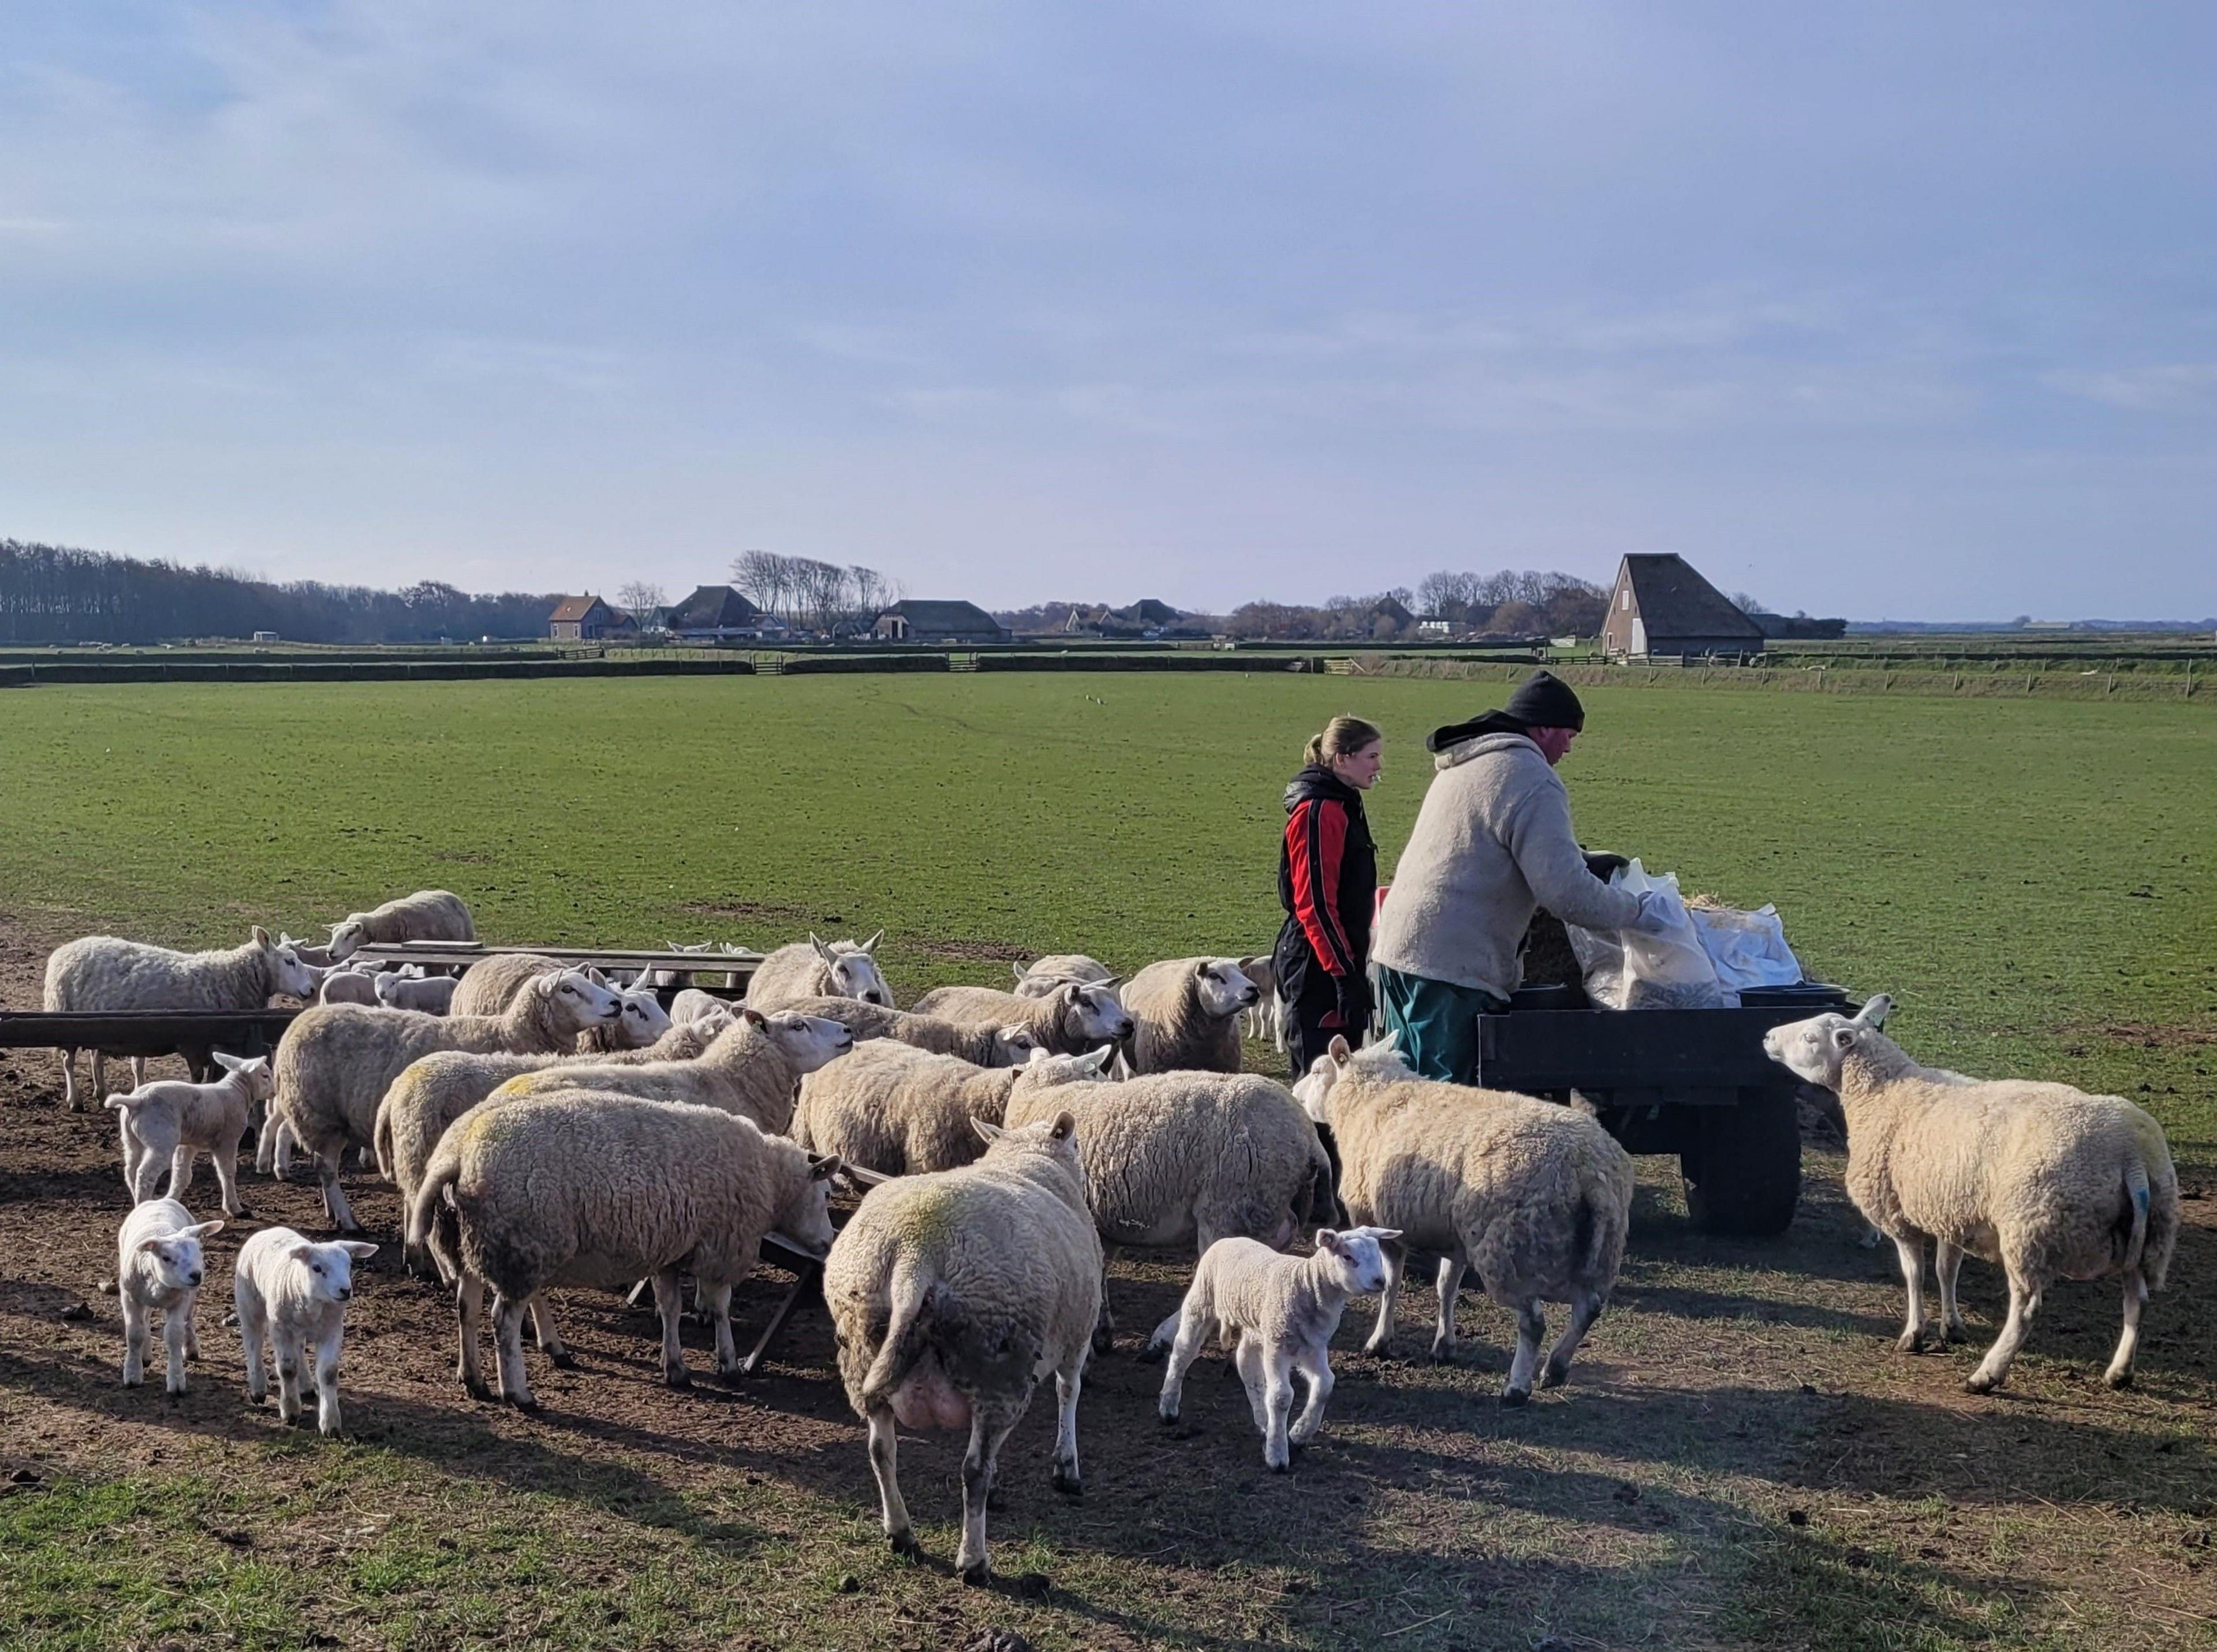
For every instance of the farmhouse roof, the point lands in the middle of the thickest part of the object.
(711, 607)
(1674, 600)
(930, 619)
(573, 607)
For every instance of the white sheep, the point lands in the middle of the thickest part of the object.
(753, 1068)
(986, 1046)
(952, 1295)
(428, 914)
(349, 983)
(102, 974)
(899, 1110)
(2043, 1179)
(694, 1004)
(291, 1295)
(816, 969)
(169, 1121)
(1182, 1158)
(1038, 978)
(1537, 1198)
(584, 1187)
(335, 1062)
(1260, 1018)
(1072, 1019)
(1186, 1012)
(158, 1265)
(315, 958)
(432, 995)
(1275, 1315)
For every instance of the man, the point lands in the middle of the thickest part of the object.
(1493, 842)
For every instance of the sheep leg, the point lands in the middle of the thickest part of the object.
(99, 1073)
(135, 1337)
(137, 1071)
(285, 1343)
(69, 1099)
(507, 1348)
(670, 1300)
(1247, 1358)
(547, 1334)
(469, 1303)
(1314, 1363)
(1277, 1407)
(251, 1329)
(181, 1171)
(334, 1198)
(327, 1380)
(192, 1336)
(1066, 1385)
(1531, 1332)
(1993, 1370)
(177, 1335)
(1912, 1275)
(1396, 1257)
(987, 1430)
(1193, 1334)
(1585, 1308)
(719, 1313)
(2119, 1373)
(885, 1463)
(224, 1157)
(129, 1139)
(1452, 1269)
(146, 1175)
(1104, 1328)
(1947, 1263)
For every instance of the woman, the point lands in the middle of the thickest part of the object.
(1327, 875)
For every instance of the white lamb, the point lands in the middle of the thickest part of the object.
(169, 1121)
(816, 969)
(292, 1296)
(430, 994)
(158, 1265)
(1277, 1315)
(345, 983)
(2047, 1181)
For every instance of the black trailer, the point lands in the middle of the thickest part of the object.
(1690, 1081)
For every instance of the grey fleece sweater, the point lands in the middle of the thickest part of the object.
(1492, 842)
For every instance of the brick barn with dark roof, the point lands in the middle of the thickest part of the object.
(1660, 606)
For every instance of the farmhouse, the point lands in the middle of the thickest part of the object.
(1660, 606)
(913, 621)
(717, 614)
(586, 618)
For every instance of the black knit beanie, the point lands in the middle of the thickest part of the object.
(1544, 701)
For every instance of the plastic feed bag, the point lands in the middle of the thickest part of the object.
(1749, 949)
(1631, 969)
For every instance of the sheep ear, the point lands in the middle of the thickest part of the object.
(1383, 1236)
(823, 1166)
(302, 1252)
(148, 1247)
(1065, 1126)
(230, 1063)
(822, 950)
(357, 1249)
(1016, 969)
(1875, 1012)
(989, 1132)
(594, 974)
(855, 1176)
(749, 1013)
(200, 1230)
(1111, 984)
(1100, 1058)
(1327, 1240)
(1337, 1048)
(871, 945)
(262, 936)
(1843, 1038)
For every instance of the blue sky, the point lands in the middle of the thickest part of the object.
(1900, 309)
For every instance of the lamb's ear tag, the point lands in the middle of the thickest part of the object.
(988, 1132)
(824, 1168)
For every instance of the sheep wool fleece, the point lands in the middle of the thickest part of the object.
(1492, 843)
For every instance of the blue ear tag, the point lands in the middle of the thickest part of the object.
(2142, 1196)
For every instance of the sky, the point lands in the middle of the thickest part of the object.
(1903, 311)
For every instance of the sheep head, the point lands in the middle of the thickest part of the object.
(1814, 1049)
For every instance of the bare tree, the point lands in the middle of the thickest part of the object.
(640, 597)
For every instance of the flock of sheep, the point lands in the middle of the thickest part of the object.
(549, 1126)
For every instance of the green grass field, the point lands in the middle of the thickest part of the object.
(2027, 878)
(1741, 1461)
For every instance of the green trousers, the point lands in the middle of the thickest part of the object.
(1437, 1022)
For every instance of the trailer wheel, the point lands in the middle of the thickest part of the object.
(1742, 1165)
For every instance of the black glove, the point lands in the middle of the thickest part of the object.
(1353, 1005)
(1602, 865)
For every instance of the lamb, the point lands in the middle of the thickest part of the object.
(1181, 1158)
(951, 1294)
(1074, 1018)
(158, 1265)
(1536, 1197)
(1262, 1016)
(343, 984)
(2047, 1181)
(812, 968)
(985, 1046)
(315, 958)
(292, 1297)
(1188, 1014)
(168, 1122)
(1277, 1315)
(428, 914)
(335, 1062)
(1042, 976)
(900, 1110)
(694, 1004)
(433, 995)
(104, 974)
(591, 1188)
(752, 1068)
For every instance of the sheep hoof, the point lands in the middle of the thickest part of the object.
(1957, 1332)
(1068, 1482)
(1911, 1341)
(478, 1389)
(1153, 1353)
(1554, 1376)
(1166, 1417)
(1978, 1383)
(1104, 1343)
(1513, 1398)
(979, 1577)
(1442, 1354)
(2118, 1379)
(562, 1359)
(677, 1377)
(904, 1545)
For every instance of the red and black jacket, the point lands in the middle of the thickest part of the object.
(1327, 881)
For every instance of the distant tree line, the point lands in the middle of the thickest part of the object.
(1505, 604)
(814, 596)
(49, 594)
